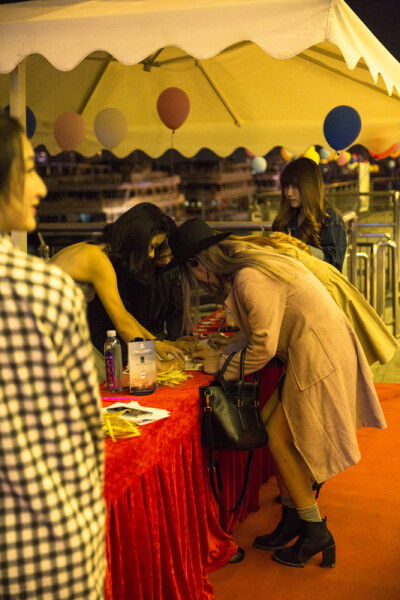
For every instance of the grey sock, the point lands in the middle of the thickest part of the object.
(309, 513)
(287, 501)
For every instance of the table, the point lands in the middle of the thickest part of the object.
(163, 531)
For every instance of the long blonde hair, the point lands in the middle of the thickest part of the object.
(279, 242)
(226, 258)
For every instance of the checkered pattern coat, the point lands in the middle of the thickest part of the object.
(52, 514)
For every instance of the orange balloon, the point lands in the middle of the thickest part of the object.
(285, 154)
(396, 151)
(69, 130)
(173, 106)
(384, 154)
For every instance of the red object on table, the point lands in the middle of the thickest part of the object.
(163, 532)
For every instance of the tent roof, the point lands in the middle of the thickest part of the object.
(85, 56)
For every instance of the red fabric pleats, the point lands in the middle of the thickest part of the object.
(163, 532)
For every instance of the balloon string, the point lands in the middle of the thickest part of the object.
(171, 209)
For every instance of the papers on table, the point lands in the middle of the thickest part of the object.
(142, 415)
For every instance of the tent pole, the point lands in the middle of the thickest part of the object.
(214, 87)
(18, 110)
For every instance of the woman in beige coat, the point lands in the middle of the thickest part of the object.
(328, 394)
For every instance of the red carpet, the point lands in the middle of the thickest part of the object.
(363, 512)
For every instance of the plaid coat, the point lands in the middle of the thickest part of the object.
(328, 392)
(52, 514)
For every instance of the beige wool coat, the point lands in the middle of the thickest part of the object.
(328, 393)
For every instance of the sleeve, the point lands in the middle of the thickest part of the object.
(76, 355)
(334, 241)
(263, 300)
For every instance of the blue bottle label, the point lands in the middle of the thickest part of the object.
(110, 370)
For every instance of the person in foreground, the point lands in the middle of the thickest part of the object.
(304, 213)
(123, 254)
(327, 394)
(52, 513)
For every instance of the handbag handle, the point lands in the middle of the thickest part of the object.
(241, 380)
(228, 360)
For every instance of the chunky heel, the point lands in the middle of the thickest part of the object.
(317, 538)
(329, 557)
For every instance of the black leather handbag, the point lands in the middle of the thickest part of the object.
(231, 421)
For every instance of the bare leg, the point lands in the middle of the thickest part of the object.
(294, 475)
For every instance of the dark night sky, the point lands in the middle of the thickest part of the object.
(382, 17)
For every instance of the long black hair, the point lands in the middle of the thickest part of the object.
(129, 237)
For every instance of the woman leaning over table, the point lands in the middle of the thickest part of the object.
(108, 268)
(375, 338)
(52, 514)
(327, 394)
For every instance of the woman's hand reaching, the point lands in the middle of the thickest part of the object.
(209, 358)
(187, 344)
(164, 349)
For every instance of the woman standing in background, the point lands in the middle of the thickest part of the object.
(305, 214)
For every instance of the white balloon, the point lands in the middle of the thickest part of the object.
(259, 164)
(110, 127)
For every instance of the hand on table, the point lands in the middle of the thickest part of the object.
(186, 344)
(209, 358)
(218, 340)
(164, 365)
(165, 348)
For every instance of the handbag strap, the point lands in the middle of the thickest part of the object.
(213, 467)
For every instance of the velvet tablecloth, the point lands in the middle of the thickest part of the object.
(165, 531)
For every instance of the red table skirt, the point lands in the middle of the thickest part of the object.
(165, 531)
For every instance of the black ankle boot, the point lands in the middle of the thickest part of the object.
(317, 538)
(289, 527)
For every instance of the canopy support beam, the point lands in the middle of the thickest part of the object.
(218, 93)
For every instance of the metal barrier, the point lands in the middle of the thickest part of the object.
(366, 290)
(379, 281)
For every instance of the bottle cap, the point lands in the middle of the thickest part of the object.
(111, 333)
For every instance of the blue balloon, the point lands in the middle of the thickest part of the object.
(30, 121)
(342, 126)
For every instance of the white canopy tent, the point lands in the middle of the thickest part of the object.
(258, 73)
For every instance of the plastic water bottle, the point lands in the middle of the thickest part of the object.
(113, 358)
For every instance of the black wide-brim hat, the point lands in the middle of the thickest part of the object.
(190, 238)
